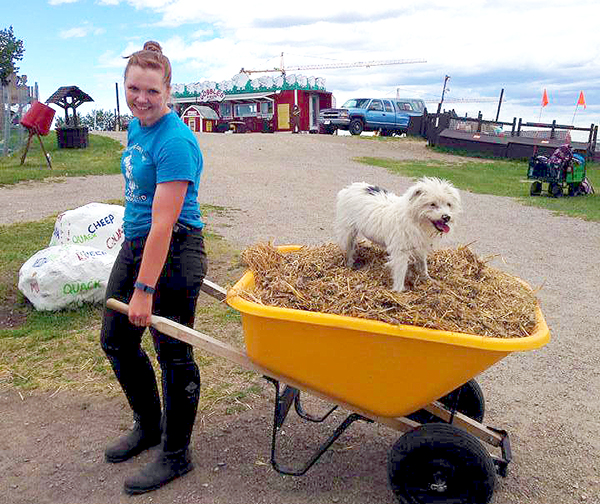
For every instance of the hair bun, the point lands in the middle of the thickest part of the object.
(151, 45)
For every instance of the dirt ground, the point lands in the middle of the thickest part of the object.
(282, 188)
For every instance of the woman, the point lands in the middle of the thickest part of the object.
(159, 269)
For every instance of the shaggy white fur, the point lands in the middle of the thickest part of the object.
(407, 226)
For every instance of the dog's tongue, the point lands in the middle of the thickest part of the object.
(441, 226)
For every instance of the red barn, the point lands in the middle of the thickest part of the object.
(200, 118)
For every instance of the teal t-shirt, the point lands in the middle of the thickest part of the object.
(163, 152)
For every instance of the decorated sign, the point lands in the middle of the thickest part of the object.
(207, 95)
(241, 83)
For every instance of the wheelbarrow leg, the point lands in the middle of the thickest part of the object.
(283, 402)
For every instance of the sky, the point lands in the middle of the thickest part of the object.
(519, 46)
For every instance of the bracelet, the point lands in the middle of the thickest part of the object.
(143, 287)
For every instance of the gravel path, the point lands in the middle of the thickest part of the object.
(282, 188)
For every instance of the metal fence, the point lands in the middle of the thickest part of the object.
(15, 99)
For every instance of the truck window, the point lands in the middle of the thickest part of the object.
(404, 106)
(418, 105)
(356, 103)
(388, 106)
(376, 105)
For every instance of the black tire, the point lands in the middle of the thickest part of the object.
(536, 188)
(356, 127)
(555, 190)
(438, 463)
(471, 402)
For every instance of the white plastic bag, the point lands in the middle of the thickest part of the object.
(65, 275)
(95, 225)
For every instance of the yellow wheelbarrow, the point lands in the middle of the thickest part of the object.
(415, 380)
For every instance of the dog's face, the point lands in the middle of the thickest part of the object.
(435, 203)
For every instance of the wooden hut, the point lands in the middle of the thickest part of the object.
(200, 118)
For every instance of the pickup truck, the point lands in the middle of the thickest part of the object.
(390, 116)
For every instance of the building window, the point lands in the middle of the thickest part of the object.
(225, 110)
(245, 109)
(266, 108)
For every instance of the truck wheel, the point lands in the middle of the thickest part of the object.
(356, 127)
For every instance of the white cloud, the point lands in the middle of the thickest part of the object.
(73, 33)
(485, 46)
(81, 31)
(59, 2)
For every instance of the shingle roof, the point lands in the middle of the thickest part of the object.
(62, 93)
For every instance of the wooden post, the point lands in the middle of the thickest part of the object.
(479, 118)
(514, 125)
(118, 125)
(46, 155)
(552, 134)
(26, 147)
(499, 104)
(519, 128)
(32, 132)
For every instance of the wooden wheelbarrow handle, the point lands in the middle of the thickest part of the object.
(220, 349)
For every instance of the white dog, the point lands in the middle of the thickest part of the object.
(407, 226)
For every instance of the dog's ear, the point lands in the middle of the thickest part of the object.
(415, 194)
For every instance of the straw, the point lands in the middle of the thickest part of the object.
(464, 294)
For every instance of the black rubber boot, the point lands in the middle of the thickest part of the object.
(166, 467)
(133, 443)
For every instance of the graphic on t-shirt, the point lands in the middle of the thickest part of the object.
(131, 187)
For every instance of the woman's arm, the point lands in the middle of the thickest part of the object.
(166, 207)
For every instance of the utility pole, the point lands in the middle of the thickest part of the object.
(446, 79)
(499, 104)
(118, 123)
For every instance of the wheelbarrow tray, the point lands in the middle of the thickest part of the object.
(384, 369)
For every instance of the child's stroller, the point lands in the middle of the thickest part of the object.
(563, 170)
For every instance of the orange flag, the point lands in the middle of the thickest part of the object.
(581, 100)
(545, 99)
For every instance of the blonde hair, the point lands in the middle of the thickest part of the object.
(151, 56)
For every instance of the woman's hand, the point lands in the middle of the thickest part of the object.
(140, 308)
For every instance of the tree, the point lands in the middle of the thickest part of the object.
(99, 120)
(11, 50)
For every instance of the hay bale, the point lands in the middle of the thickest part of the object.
(464, 294)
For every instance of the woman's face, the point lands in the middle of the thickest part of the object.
(146, 94)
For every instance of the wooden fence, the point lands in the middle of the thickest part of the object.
(489, 137)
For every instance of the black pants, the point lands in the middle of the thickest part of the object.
(176, 293)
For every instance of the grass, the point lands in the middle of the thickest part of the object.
(101, 157)
(499, 178)
(57, 351)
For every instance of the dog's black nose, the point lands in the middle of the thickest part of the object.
(445, 217)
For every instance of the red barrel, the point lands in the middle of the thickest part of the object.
(38, 118)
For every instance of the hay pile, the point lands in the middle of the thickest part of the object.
(463, 294)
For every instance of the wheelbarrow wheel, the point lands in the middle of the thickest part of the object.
(439, 463)
(536, 188)
(470, 402)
